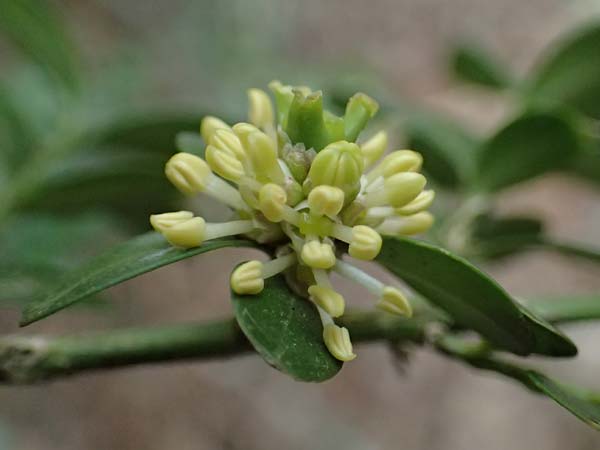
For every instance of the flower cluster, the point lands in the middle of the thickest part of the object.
(297, 180)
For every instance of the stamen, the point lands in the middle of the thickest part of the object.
(218, 230)
(374, 147)
(325, 296)
(406, 225)
(365, 242)
(249, 278)
(398, 190)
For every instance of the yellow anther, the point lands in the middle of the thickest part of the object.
(262, 152)
(181, 229)
(272, 202)
(318, 255)
(242, 130)
(374, 148)
(394, 302)
(247, 278)
(188, 173)
(224, 163)
(226, 139)
(260, 111)
(396, 162)
(421, 203)
(365, 244)
(209, 125)
(161, 222)
(397, 191)
(337, 340)
(407, 225)
(332, 302)
(326, 200)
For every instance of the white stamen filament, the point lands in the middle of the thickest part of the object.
(218, 230)
(342, 232)
(224, 192)
(353, 273)
(278, 265)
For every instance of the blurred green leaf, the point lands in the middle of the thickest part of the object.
(570, 73)
(567, 308)
(469, 296)
(571, 249)
(474, 65)
(528, 146)
(189, 142)
(128, 260)
(36, 28)
(448, 150)
(286, 331)
(497, 237)
(582, 403)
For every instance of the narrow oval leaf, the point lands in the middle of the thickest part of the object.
(529, 146)
(570, 73)
(498, 237)
(573, 399)
(448, 150)
(128, 260)
(286, 331)
(474, 65)
(549, 340)
(471, 298)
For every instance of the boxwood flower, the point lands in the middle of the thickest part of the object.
(298, 180)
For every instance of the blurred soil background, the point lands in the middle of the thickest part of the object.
(202, 55)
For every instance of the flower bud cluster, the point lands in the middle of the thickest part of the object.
(296, 178)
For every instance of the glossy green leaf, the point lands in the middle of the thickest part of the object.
(448, 150)
(128, 260)
(549, 340)
(474, 65)
(468, 295)
(286, 331)
(528, 146)
(570, 73)
(36, 28)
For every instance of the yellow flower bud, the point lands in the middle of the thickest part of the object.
(224, 163)
(365, 244)
(318, 255)
(337, 340)
(374, 148)
(188, 173)
(247, 278)
(326, 200)
(260, 110)
(339, 165)
(421, 203)
(161, 222)
(227, 140)
(181, 229)
(272, 202)
(407, 225)
(332, 302)
(209, 125)
(394, 302)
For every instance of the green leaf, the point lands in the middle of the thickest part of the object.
(128, 260)
(571, 249)
(286, 331)
(35, 27)
(474, 65)
(469, 296)
(448, 150)
(189, 142)
(582, 403)
(570, 73)
(497, 237)
(568, 308)
(549, 340)
(528, 146)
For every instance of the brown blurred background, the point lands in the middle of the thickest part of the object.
(203, 54)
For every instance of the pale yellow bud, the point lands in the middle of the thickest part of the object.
(332, 302)
(326, 200)
(224, 163)
(337, 341)
(365, 244)
(181, 229)
(421, 203)
(227, 140)
(403, 188)
(373, 148)
(260, 111)
(262, 152)
(394, 302)
(188, 173)
(272, 202)
(407, 225)
(209, 125)
(318, 255)
(247, 278)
